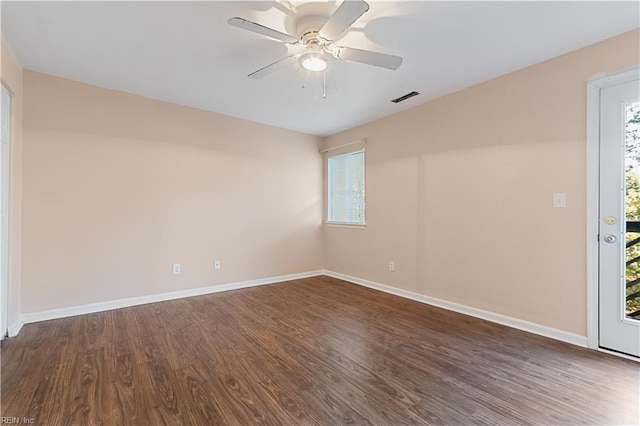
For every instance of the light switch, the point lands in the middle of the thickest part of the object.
(559, 200)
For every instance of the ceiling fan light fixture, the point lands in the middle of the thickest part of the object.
(314, 63)
(314, 47)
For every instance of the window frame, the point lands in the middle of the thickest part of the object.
(343, 224)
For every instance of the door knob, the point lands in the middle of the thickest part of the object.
(609, 238)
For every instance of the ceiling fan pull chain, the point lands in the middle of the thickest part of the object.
(324, 85)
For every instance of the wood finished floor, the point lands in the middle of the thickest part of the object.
(313, 351)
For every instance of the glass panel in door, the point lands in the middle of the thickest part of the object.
(632, 210)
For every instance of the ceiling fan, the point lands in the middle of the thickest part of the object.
(315, 41)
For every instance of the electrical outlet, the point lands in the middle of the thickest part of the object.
(392, 266)
(176, 269)
(216, 264)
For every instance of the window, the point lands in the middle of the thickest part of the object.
(345, 184)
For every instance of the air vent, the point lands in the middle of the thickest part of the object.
(405, 97)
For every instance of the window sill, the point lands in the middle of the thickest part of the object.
(345, 225)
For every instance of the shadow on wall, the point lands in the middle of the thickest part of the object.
(459, 193)
(513, 110)
(61, 105)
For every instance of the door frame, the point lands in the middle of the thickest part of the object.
(4, 222)
(594, 86)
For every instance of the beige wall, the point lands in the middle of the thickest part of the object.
(118, 187)
(459, 193)
(11, 73)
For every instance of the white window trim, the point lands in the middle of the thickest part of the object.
(345, 225)
(339, 224)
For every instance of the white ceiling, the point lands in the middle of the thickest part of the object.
(184, 52)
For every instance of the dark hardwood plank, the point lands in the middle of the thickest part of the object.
(309, 352)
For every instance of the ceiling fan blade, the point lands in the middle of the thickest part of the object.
(262, 30)
(342, 18)
(264, 71)
(368, 57)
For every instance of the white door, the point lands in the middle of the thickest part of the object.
(619, 219)
(5, 124)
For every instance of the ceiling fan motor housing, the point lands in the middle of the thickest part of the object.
(314, 58)
(308, 28)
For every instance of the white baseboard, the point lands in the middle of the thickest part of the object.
(530, 327)
(15, 328)
(142, 300)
